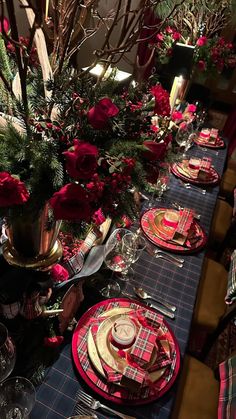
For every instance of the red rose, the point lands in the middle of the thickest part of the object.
(162, 101)
(81, 160)
(12, 191)
(98, 217)
(71, 203)
(160, 37)
(59, 273)
(99, 114)
(191, 108)
(201, 41)
(53, 341)
(176, 36)
(177, 116)
(6, 25)
(155, 151)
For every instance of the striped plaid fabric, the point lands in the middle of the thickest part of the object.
(135, 375)
(227, 397)
(231, 286)
(205, 164)
(143, 347)
(75, 264)
(185, 221)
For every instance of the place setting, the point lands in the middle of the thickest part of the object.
(126, 353)
(196, 171)
(209, 138)
(176, 230)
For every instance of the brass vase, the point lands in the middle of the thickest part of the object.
(32, 240)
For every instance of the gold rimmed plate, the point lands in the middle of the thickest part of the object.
(103, 349)
(184, 172)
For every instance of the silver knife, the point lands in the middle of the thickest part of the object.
(162, 310)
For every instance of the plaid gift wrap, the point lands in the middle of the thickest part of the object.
(133, 378)
(143, 347)
(227, 397)
(231, 286)
(185, 222)
(213, 135)
(154, 319)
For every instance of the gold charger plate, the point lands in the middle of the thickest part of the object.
(105, 350)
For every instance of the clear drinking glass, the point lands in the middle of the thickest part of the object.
(184, 137)
(115, 261)
(17, 398)
(133, 245)
(7, 353)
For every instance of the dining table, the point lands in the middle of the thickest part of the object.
(56, 395)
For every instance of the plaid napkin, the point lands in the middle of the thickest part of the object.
(227, 397)
(231, 286)
(75, 264)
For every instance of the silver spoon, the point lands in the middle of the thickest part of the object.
(144, 296)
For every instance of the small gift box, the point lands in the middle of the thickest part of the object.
(143, 347)
(181, 232)
(133, 378)
(154, 319)
(213, 136)
(205, 167)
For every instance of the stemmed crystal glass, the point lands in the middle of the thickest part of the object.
(7, 353)
(184, 137)
(122, 249)
(116, 261)
(17, 398)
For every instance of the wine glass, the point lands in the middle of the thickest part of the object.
(116, 261)
(7, 353)
(184, 137)
(17, 398)
(133, 245)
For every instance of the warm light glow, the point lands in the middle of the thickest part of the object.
(175, 90)
(119, 75)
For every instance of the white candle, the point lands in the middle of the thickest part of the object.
(124, 331)
(175, 90)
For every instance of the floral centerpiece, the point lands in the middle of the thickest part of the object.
(68, 139)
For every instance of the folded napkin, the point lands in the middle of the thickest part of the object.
(231, 285)
(76, 262)
(227, 396)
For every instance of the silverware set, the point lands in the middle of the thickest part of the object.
(194, 187)
(177, 206)
(160, 254)
(85, 399)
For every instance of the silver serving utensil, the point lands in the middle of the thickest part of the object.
(195, 188)
(165, 256)
(95, 404)
(141, 293)
(168, 255)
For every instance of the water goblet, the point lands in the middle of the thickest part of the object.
(116, 261)
(7, 353)
(133, 245)
(182, 137)
(17, 398)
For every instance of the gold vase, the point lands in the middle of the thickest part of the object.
(32, 240)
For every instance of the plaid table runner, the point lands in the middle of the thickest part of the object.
(55, 397)
(231, 286)
(227, 397)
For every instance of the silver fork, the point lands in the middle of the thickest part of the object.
(81, 410)
(95, 404)
(195, 188)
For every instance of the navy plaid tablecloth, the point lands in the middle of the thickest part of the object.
(56, 395)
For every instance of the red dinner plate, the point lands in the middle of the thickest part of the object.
(157, 233)
(181, 171)
(219, 143)
(97, 382)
